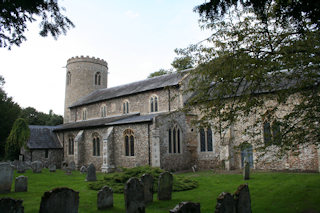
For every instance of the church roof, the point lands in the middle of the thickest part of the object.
(159, 82)
(42, 137)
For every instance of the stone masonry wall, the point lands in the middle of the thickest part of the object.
(55, 156)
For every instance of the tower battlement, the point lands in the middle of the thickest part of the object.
(87, 59)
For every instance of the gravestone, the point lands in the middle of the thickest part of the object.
(134, 196)
(21, 184)
(21, 168)
(52, 168)
(72, 165)
(225, 203)
(147, 181)
(105, 198)
(186, 207)
(62, 200)
(36, 166)
(165, 186)
(68, 171)
(6, 177)
(10, 205)
(83, 169)
(242, 199)
(91, 173)
(246, 170)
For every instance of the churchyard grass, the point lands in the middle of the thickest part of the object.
(270, 192)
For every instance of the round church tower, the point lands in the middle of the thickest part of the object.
(84, 75)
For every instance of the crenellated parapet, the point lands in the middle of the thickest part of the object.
(87, 59)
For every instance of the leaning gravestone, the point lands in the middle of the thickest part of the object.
(242, 199)
(246, 170)
(105, 198)
(72, 165)
(91, 174)
(225, 203)
(165, 186)
(36, 166)
(83, 169)
(134, 196)
(21, 184)
(186, 207)
(10, 205)
(62, 200)
(52, 168)
(21, 168)
(6, 177)
(147, 181)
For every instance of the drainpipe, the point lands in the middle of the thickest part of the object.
(169, 99)
(149, 148)
(63, 146)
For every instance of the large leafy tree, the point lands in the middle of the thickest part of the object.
(253, 52)
(34, 117)
(15, 14)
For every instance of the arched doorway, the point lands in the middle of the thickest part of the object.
(246, 152)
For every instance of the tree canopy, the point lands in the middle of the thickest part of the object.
(15, 14)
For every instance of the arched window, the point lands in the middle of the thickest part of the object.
(68, 78)
(97, 78)
(125, 107)
(271, 133)
(84, 114)
(154, 104)
(174, 140)
(70, 145)
(103, 111)
(206, 140)
(96, 145)
(128, 142)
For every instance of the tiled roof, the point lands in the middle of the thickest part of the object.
(42, 137)
(132, 88)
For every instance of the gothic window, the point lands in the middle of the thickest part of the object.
(125, 107)
(271, 133)
(174, 140)
(154, 104)
(129, 142)
(97, 78)
(206, 140)
(84, 114)
(46, 153)
(71, 145)
(96, 145)
(103, 111)
(68, 78)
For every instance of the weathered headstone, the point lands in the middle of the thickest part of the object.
(20, 158)
(165, 186)
(225, 203)
(21, 168)
(10, 205)
(52, 168)
(91, 174)
(186, 207)
(147, 181)
(62, 200)
(72, 165)
(134, 196)
(21, 184)
(242, 199)
(68, 171)
(105, 198)
(246, 170)
(83, 169)
(6, 177)
(36, 166)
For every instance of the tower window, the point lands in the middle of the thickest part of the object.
(174, 140)
(154, 104)
(129, 142)
(97, 78)
(68, 78)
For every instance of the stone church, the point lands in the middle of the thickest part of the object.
(140, 124)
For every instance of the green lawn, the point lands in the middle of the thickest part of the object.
(270, 192)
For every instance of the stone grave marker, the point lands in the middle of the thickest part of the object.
(134, 196)
(62, 200)
(52, 168)
(10, 205)
(83, 169)
(225, 203)
(242, 199)
(186, 207)
(36, 166)
(165, 186)
(91, 173)
(147, 181)
(21, 168)
(21, 184)
(72, 165)
(105, 198)
(6, 177)
(246, 170)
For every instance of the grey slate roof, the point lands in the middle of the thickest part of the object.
(42, 137)
(159, 82)
(134, 119)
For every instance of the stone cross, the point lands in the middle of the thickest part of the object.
(147, 181)
(134, 196)
(91, 173)
(225, 203)
(21, 184)
(11, 205)
(62, 200)
(242, 199)
(6, 177)
(105, 198)
(186, 207)
(165, 185)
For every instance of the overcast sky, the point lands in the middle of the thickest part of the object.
(136, 38)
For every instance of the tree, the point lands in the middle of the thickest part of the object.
(15, 14)
(159, 73)
(9, 112)
(248, 55)
(18, 138)
(33, 117)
